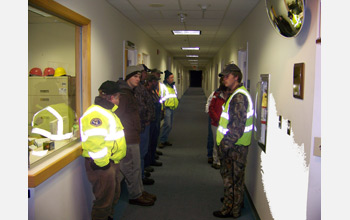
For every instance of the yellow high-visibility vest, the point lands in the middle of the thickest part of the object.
(245, 140)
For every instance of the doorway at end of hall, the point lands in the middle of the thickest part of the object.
(195, 78)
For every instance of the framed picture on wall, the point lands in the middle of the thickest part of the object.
(298, 81)
(261, 108)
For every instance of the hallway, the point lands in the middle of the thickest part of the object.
(186, 186)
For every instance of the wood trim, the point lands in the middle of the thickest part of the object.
(83, 84)
(39, 177)
(86, 66)
(78, 69)
(60, 11)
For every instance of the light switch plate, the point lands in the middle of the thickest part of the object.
(317, 146)
(289, 127)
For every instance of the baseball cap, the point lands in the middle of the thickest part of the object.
(156, 71)
(229, 69)
(151, 77)
(110, 87)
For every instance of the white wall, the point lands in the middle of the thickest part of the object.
(270, 53)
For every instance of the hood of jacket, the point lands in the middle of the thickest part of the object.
(104, 103)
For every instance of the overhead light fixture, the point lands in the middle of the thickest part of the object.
(191, 55)
(190, 48)
(192, 60)
(185, 32)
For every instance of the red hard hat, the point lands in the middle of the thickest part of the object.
(49, 71)
(35, 72)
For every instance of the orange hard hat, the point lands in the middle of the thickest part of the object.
(49, 71)
(35, 72)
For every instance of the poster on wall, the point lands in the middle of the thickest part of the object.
(261, 110)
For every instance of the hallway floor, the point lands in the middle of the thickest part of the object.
(186, 186)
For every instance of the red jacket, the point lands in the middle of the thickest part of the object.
(215, 108)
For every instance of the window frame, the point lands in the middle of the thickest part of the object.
(83, 80)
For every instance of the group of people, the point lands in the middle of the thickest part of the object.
(230, 126)
(120, 134)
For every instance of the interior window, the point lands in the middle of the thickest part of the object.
(52, 118)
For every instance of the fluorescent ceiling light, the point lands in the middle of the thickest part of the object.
(190, 48)
(192, 60)
(191, 55)
(184, 32)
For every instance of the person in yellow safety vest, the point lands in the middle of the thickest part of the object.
(170, 102)
(103, 143)
(233, 138)
(54, 122)
(295, 20)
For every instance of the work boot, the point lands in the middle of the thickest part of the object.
(157, 164)
(160, 153)
(147, 174)
(147, 181)
(149, 169)
(166, 143)
(149, 195)
(142, 201)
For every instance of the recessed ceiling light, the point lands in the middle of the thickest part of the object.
(191, 55)
(190, 48)
(185, 32)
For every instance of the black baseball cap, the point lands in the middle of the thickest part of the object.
(110, 87)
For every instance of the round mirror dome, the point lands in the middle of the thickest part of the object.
(286, 16)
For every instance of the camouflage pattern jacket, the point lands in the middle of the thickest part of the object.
(146, 107)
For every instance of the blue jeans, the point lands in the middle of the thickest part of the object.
(167, 125)
(210, 141)
(144, 140)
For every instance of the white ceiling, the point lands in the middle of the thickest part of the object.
(158, 17)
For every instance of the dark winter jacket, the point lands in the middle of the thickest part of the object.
(128, 113)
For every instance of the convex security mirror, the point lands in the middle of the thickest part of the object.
(286, 16)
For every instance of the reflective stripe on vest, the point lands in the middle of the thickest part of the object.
(163, 91)
(167, 95)
(59, 135)
(225, 117)
(98, 154)
(111, 135)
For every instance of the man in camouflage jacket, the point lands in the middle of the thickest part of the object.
(233, 143)
(147, 114)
